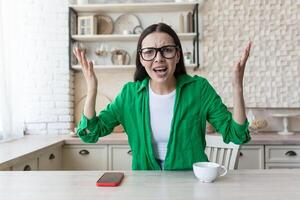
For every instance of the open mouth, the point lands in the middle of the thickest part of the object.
(160, 71)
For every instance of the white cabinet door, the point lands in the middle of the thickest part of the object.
(51, 160)
(283, 153)
(120, 157)
(27, 165)
(282, 156)
(251, 157)
(85, 157)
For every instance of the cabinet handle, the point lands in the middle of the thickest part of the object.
(52, 156)
(27, 168)
(291, 153)
(84, 152)
(129, 152)
(241, 154)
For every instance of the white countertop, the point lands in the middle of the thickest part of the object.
(273, 138)
(18, 148)
(160, 185)
(114, 138)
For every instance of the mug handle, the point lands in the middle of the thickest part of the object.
(222, 169)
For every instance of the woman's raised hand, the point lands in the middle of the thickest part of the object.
(239, 68)
(87, 69)
(239, 113)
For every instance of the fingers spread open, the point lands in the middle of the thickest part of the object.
(75, 52)
(83, 59)
(246, 53)
(78, 55)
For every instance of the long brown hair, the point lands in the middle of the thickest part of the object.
(140, 72)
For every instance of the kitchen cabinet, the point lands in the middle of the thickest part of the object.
(251, 157)
(47, 158)
(282, 156)
(269, 157)
(28, 165)
(113, 153)
(85, 157)
(146, 14)
(51, 159)
(96, 157)
(120, 157)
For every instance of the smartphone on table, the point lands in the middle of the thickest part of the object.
(110, 179)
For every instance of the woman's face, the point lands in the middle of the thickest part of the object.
(161, 67)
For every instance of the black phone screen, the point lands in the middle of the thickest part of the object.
(111, 177)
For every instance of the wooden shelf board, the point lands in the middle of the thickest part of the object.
(134, 7)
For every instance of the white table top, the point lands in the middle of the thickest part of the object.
(72, 185)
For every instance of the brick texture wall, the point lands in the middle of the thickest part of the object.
(272, 77)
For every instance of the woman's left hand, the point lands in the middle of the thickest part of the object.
(239, 68)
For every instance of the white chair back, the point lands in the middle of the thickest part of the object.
(222, 153)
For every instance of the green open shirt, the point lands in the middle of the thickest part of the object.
(196, 101)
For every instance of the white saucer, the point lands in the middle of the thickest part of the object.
(285, 114)
(285, 133)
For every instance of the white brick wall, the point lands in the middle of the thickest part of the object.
(47, 80)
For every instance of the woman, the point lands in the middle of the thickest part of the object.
(164, 111)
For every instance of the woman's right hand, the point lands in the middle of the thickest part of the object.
(87, 69)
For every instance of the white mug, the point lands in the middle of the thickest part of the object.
(126, 32)
(207, 172)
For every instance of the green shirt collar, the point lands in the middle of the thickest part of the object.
(181, 81)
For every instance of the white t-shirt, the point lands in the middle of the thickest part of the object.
(161, 114)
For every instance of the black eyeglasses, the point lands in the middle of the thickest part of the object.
(149, 53)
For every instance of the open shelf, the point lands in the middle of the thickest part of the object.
(118, 37)
(134, 7)
(94, 9)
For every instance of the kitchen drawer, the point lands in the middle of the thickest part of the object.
(85, 157)
(27, 165)
(282, 154)
(282, 165)
(51, 160)
(120, 157)
(5, 169)
(251, 157)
